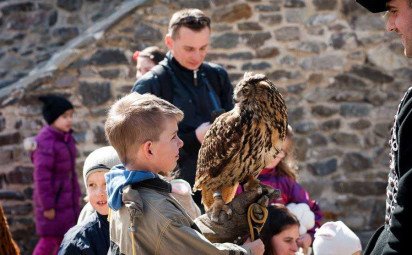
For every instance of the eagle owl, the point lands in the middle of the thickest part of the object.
(241, 142)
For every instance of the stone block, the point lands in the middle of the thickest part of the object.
(296, 88)
(256, 40)
(11, 195)
(325, 5)
(330, 125)
(225, 41)
(245, 26)
(355, 110)
(110, 74)
(360, 124)
(241, 56)
(256, 66)
(267, 52)
(356, 162)
(270, 19)
(295, 114)
(323, 110)
(294, 3)
(317, 139)
(9, 8)
(323, 168)
(286, 34)
(371, 73)
(2, 122)
(361, 188)
(99, 136)
(66, 80)
(108, 57)
(11, 138)
(147, 33)
(64, 34)
(325, 62)
(19, 209)
(273, 7)
(21, 175)
(232, 13)
(311, 47)
(345, 139)
(304, 127)
(94, 94)
(70, 5)
(347, 82)
(383, 129)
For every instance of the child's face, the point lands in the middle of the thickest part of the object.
(281, 155)
(96, 192)
(166, 150)
(284, 243)
(64, 122)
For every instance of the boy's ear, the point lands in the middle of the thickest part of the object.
(147, 149)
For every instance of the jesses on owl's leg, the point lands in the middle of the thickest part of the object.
(252, 183)
(218, 206)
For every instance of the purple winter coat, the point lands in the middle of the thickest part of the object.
(55, 182)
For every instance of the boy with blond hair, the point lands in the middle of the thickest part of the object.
(145, 218)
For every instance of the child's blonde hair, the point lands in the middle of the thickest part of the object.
(136, 119)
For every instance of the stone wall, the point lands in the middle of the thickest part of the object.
(341, 75)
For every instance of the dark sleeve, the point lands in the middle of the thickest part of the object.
(226, 97)
(399, 236)
(145, 84)
(44, 174)
(74, 242)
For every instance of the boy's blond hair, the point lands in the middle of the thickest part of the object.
(136, 119)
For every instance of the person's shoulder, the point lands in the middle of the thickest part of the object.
(214, 67)
(145, 83)
(163, 204)
(45, 140)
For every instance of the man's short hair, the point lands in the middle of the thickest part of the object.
(193, 19)
(136, 119)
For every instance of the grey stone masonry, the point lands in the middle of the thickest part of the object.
(341, 75)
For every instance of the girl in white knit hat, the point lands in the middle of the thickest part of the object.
(335, 238)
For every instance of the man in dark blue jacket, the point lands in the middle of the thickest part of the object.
(201, 90)
(394, 237)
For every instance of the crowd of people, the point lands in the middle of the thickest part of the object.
(138, 204)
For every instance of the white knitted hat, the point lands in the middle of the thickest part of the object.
(101, 159)
(305, 216)
(335, 238)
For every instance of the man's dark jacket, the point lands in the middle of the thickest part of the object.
(395, 236)
(90, 237)
(178, 85)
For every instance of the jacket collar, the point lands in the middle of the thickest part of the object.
(63, 136)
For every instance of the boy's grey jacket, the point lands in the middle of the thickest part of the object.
(151, 221)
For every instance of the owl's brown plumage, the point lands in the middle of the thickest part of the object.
(241, 142)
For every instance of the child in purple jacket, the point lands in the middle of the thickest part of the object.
(56, 189)
(281, 174)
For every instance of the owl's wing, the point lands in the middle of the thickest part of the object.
(221, 143)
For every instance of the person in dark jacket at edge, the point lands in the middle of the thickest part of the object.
(200, 89)
(394, 236)
(91, 236)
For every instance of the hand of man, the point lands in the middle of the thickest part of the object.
(49, 214)
(235, 229)
(256, 247)
(201, 131)
(304, 241)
